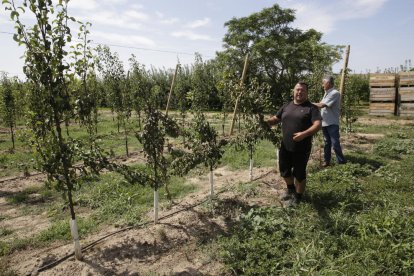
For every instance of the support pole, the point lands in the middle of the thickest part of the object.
(171, 89)
(244, 75)
(344, 69)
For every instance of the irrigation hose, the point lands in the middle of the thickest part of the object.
(90, 245)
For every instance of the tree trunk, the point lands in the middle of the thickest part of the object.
(211, 183)
(155, 206)
(74, 227)
(126, 138)
(12, 137)
(75, 237)
(251, 164)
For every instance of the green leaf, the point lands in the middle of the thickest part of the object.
(13, 14)
(16, 38)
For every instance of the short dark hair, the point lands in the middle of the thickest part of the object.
(330, 79)
(303, 83)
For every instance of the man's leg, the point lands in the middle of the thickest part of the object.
(299, 172)
(336, 144)
(327, 146)
(285, 169)
(300, 188)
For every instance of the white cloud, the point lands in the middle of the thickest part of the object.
(199, 23)
(127, 39)
(323, 17)
(111, 19)
(136, 15)
(83, 5)
(351, 9)
(159, 14)
(311, 16)
(191, 35)
(137, 7)
(170, 21)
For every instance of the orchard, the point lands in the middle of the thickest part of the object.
(109, 168)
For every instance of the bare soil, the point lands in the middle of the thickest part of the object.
(171, 247)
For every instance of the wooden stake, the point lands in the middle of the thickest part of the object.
(171, 89)
(244, 75)
(344, 69)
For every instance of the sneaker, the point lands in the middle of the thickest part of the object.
(291, 203)
(325, 165)
(287, 194)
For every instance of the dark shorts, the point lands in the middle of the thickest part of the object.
(293, 163)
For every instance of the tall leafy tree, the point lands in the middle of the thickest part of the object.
(280, 54)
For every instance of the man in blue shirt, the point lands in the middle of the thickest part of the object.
(330, 106)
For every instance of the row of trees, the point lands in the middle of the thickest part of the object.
(67, 83)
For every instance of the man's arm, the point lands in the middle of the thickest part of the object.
(320, 105)
(315, 127)
(273, 120)
(329, 100)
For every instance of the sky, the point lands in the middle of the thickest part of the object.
(161, 33)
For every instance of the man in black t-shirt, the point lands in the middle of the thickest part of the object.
(300, 121)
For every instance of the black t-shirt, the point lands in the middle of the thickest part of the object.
(297, 118)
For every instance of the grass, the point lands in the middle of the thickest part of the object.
(22, 159)
(264, 156)
(356, 219)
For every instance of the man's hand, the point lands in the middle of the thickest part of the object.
(299, 136)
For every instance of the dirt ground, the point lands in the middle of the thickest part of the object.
(171, 247)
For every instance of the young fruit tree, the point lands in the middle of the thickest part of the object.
(8, 106)
(205, 147)
(156, 127)
(254, 102)
(116, 86)
(85, 84)
(356, 88)
(47, 71)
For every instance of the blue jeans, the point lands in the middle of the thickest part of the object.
(331, 139)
